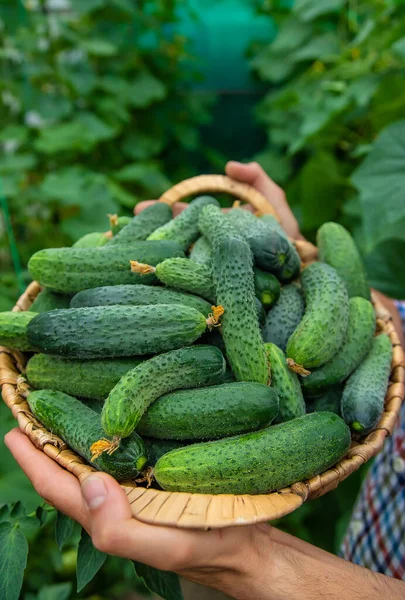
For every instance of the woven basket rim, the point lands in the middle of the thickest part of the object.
(205, 511)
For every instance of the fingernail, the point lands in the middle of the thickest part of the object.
(94, 491)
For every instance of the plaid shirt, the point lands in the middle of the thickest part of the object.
(376, 535)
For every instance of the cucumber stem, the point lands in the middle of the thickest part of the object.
(104, 445)
(141, 268)
(299, 369)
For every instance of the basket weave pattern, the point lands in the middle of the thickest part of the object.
(204, 511)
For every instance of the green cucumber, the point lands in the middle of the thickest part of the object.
(201, 252)
(272, 251)
(215, 225)
(324, 325)
(259, 462)
(286, 383)
(86, 379)
(292, 265)
(47, 300)
(113, 331)
(364, 392)
(337, 248)
(91, 240)
(117, 223)
(186, 275)
(183, 368)
(143, 225)
(80, 427)
(329, 401)
(138, 295)
(261, 313)
(233, 272)
(210, 413)
(71, 270)
(157, 448)
(13, 330)
(284, 317)
(184, 228)
(267, 287)
(356, 345)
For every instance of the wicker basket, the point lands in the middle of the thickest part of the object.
(203, 511)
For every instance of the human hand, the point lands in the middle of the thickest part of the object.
(254, 175)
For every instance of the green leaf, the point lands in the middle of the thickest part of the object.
(385, 268)
(309, 10)
(14, 132)
(121, 195)
(399, 47)
(380, 181)
(147, 89)
(59, 591)
(141, 146)
(63, 529)
(18, 510)
(84, 8)
(99, 47)
(321, 47)
(4, 513)
(13, 560)
(89, 561)
(17, 162)
(146, 174)
(163, 583)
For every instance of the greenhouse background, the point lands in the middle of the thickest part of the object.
(107, 103)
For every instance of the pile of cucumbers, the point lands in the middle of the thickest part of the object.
(195, 351)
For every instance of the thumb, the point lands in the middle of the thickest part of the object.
(104, 496)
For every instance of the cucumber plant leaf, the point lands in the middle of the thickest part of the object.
(13, 560)
(59, 591)
(63, 529)
(163, 583)
(89, 561)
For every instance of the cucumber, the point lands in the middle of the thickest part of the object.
(286, 383)
(292, 265)
(215, 225)
(356, 345)
(47, 300)
(182, 368)
(233, 271)
(259, 462)
(329, 401)
(324, 325)
(13, 330)
(201, 252)
(86, 379)
(261, 313)
(364, 392)
(267, 287)
(137, 295)
(210, 413)
(337, 248)
(80, 427)
(113, 331)
(157, 448)
(270, 249)
(71, 270)
(117, 223)
(91, 240)
(184, 228)
(284, 317)
(186, 275)
(143, 224)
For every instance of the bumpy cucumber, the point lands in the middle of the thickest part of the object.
(338, 249)
(292, 265)
(47, 300)
(284, 317)
(215, 225)
(267, 287)
(233, 272)
(324, 325)
(91, 240)
(71, 270)
(271, 250)
(138, 295)
(201, 252)
(286, 383)
(184, 368)
(80, 427)
(184, 228)
(157, 448)
(329, 401)
(356, 345)
(117, 223)
(113, 331)
(85, 379)
(210, 413)
(259, 462)
(186, 275)
(13, 330)
(364, 392)
(143, 224)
